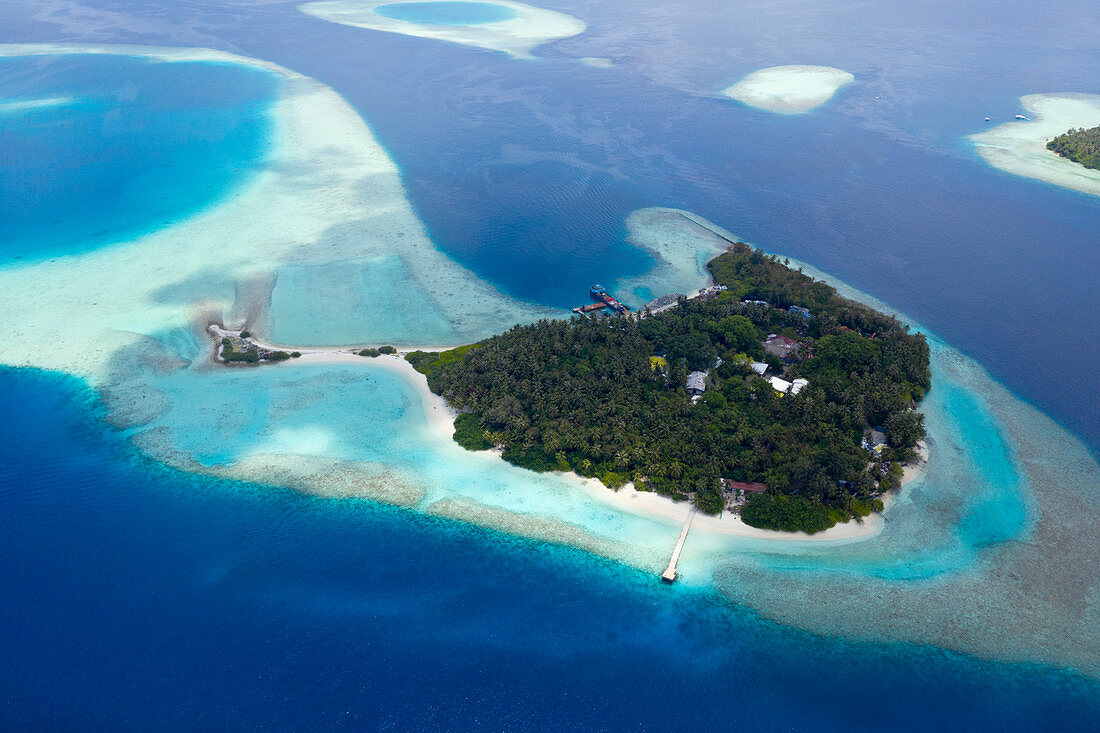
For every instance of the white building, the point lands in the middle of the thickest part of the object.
(782, 385)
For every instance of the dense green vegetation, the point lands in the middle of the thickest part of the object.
(584, 395)
(469, 433)
(431, 362)
(251, 355)
(248, 356)
(799, 514)
(377, 352)
(790, 514)
(1079, 145)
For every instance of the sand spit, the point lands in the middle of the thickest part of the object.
(789, 89)
(518, 36)
(1020, 147)
(437, 413)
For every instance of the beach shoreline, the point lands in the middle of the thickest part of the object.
(440, 417)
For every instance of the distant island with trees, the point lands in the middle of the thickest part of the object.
(767, 394)
(1079, 145)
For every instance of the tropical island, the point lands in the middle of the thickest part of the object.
(1021, 147)
(767, 394)
(1079, 145)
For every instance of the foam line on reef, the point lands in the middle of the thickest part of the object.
(1020, 147)
(518, 36)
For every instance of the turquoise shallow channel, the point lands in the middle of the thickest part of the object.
(98, 149)
(447, 13)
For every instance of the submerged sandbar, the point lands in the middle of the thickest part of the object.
(20, 106)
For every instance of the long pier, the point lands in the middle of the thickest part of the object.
(669, 575)
(702, 224)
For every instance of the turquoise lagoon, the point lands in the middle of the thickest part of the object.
(445, 13)
(136, 145)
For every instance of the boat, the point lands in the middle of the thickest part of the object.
(599, 292)
(1021, 117)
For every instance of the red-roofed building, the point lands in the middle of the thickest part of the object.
(781, 346)
(749, 487)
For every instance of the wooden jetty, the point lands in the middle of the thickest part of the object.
(669, 575)
(586, 309)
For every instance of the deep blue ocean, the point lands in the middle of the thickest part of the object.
(135, 597)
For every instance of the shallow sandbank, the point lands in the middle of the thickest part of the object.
(517, 36)
(789, 89)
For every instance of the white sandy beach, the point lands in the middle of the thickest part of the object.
(440, 416)
(1020, 147)
(792, 89)
(518, 36)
